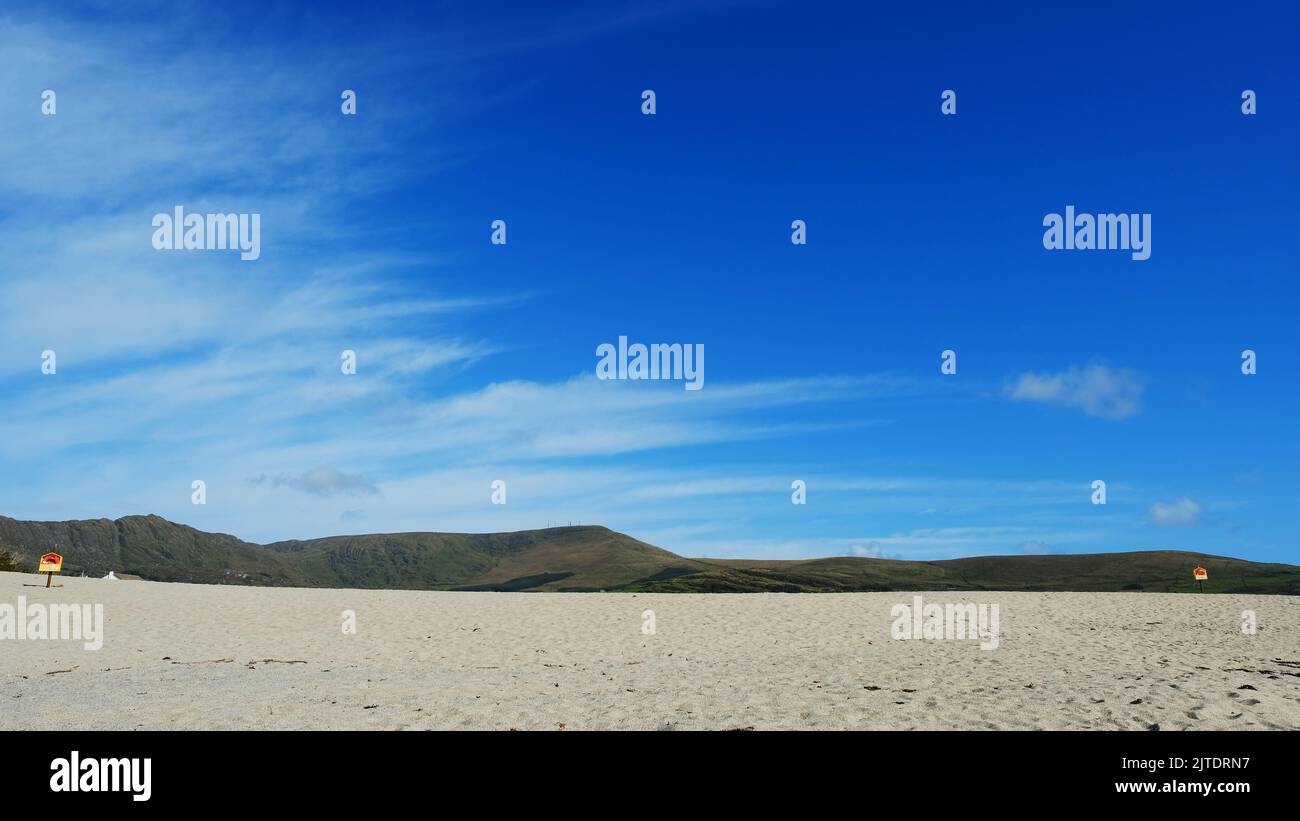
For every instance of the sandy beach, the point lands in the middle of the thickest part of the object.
(224, 657)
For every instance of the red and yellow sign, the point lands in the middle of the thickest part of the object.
(1201, 574)
(51, 563)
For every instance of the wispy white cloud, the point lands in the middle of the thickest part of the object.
(1182, 512)
(1095, 389)
(1035, 547)
(175, 367)
(323, 481)
(871, 550)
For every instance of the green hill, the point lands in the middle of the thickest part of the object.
(1157, 571)
(561, 558)
(558, 558)
(587, 558)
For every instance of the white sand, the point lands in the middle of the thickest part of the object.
(177, 656)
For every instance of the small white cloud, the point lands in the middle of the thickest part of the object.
(871, 550)
(1097, 390)
(327, 482)
(1180, 513)
(1034, 547)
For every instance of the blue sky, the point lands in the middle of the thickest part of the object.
(476, 362)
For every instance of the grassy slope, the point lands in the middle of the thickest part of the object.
(562, 558)
(1154, 571)
(568, 558)
(587, 558)
(147, 546)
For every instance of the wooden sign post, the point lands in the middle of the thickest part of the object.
(51, 563)
(1201, 575)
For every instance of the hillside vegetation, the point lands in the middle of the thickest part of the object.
(586, 559)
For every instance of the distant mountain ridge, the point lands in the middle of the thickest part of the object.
(585, 559)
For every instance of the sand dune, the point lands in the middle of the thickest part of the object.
(215, 657)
